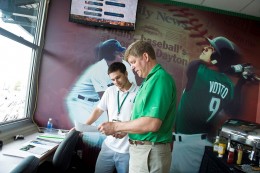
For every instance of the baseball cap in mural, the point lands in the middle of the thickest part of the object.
(221, 44)
(109, 49)
(226, 53)
(113, 45)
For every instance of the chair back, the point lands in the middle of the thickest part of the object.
(27, 165)
(63, 155)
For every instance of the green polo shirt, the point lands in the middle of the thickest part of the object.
(156, 98)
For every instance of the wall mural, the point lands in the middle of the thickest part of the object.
(73, 70)
(178, 36)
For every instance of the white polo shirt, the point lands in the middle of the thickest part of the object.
(109, 103)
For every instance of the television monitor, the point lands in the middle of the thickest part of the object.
(119, 14)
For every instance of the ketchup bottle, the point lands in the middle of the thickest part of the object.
(230, 158)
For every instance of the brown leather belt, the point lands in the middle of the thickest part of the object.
(134, 142)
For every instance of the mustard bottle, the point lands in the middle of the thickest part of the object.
(239, 154)
(215, 145)
(221, 149)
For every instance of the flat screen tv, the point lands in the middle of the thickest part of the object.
(120, 14)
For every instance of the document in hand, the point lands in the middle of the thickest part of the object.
(85, 128)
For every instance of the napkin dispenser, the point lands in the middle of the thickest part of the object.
(245, 133)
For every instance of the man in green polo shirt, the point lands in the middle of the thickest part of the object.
(150, 128)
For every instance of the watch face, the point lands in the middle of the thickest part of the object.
(115, 120)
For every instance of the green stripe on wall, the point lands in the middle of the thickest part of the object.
(207, 9)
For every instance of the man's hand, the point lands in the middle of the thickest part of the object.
(119, 135)
(73, 128)
(107, 128)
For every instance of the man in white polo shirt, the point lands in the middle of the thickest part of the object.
(117, 100)
(85, 93)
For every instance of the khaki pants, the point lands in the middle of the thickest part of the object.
(150, 158)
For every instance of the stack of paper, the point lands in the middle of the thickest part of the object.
(34, 147)
(51, 137)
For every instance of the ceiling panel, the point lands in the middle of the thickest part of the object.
(247, 7)
(252, 9)
(227, 5)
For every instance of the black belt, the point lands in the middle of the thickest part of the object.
(88, 99)
(134, 142)
(111, 84)
(179, 137)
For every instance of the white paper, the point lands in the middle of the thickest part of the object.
(85, 128)
(43, 144)
(34, 147)
(18, 153)
(51, 137)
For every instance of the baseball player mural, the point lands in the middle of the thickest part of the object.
(208, 91)
(85, 93)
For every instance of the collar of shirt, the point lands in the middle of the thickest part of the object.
(131, 89)
(154, 69)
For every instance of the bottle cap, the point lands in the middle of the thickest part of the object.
(231, 149)
(239, 146)
(220, 155)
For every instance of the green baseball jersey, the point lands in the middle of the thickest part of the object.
(209, 94)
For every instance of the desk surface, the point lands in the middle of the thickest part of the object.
(11, 162)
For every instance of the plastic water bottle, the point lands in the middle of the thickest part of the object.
(49, 125)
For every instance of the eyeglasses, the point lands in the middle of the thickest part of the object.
(207, 48)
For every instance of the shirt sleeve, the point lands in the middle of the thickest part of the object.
(103, 102)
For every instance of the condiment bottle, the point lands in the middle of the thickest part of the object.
(221, 148)
(230, 158)
(215, 145)
(239, 154)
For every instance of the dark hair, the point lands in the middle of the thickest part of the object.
(115, 67)
(138, 48)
